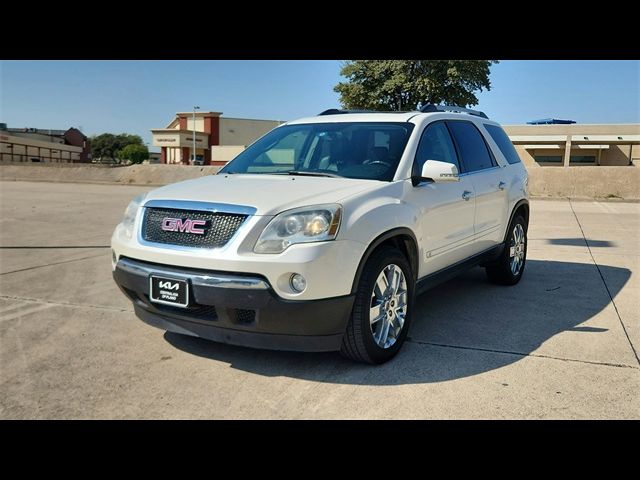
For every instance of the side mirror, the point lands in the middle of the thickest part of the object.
(437, 172)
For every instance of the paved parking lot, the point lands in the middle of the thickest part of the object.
(554, 346)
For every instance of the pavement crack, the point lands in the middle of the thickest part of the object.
(65, 304)
(624, 328)
(522, 354)
(51, 264)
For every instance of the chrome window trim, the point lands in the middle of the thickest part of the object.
(479, 171)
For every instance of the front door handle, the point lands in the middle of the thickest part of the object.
(501, 185)
(466, 195)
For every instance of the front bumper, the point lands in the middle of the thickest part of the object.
(239, 309)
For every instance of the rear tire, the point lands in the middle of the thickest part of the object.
(508, 269)
(382, 309)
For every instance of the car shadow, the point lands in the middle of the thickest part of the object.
(464, 327)
(581, 242)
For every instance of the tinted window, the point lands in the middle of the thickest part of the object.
(435, 144)
(504, 144)
(471, 146)
(548, 159)
(367, 150)
(582, 159)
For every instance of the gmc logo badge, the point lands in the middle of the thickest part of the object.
(183, 225)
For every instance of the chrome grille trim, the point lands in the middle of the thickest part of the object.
(180, 206)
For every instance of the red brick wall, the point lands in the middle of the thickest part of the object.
(183, 123)
(163, 154)
(212, 127)
(185, 155)
(74, 137)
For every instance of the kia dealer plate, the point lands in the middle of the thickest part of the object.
(169, 291)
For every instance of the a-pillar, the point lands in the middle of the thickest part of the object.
(567, 151)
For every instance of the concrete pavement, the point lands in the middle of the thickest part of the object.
(554, 346)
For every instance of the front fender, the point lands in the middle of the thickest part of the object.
(375, 217)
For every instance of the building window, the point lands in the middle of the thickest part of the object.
(582, 160)
(549, 160)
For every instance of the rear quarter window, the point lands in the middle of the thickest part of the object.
(504, 144)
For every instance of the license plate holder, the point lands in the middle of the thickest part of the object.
(169, 291)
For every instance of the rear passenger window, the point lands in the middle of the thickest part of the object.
(471, 146)
(504, 144)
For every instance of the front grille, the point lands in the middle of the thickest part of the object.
(219, 227)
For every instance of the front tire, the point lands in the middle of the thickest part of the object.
(509, 267)
(382, 309)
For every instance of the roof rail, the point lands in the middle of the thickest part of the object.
(337, 111)
(430, 107)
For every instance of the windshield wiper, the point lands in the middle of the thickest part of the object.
(313, 174)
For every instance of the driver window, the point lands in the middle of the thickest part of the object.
(435, 144)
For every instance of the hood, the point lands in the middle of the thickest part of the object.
(269, 194)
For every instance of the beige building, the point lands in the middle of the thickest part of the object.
(43, 145)
(569, 145)
(218, 139)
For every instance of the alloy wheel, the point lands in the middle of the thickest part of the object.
(388, 308)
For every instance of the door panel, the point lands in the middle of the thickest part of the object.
(488, 180)
(445, 223)
(491, 206)
(445, 220)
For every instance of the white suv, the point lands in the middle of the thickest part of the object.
(319, 235)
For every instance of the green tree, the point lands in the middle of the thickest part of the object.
(390, 85)
(108, 145)
(134, 153)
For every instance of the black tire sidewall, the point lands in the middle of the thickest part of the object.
(507, 260)
(376, 264)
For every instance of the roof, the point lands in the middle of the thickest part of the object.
(359, 117)
(199, 113)
(44, 131)
(387, 117)
(550, 121)
(39, 131)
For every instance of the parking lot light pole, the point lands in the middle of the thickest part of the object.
(193, 160)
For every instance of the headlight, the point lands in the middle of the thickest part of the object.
(302, 225)
(130, 215)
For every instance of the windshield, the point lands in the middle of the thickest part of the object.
(366, 150)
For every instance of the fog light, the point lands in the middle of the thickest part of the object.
(113, 256)
(298, 282)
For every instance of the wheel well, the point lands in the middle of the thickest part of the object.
(407, 246)
(402, 240)
(522, 208)
(524, 211)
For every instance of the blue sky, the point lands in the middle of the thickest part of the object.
(135, 96)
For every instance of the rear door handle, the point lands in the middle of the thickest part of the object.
(466, 195)
(501, 185)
